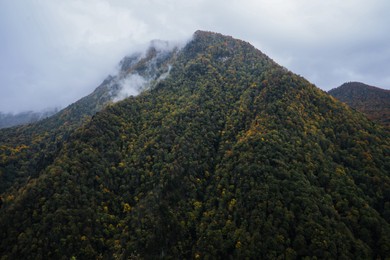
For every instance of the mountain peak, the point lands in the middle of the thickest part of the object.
(209, 34)
(211, 38)
(370, 100)
(355, 85)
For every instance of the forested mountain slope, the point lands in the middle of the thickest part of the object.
(372, 101)
(26, 150)
(228, 156)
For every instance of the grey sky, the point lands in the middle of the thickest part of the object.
(53, 52)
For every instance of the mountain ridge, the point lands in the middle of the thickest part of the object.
(52, 131)
(114, 87)
(27, 117)
(230, 155)
(370, 100)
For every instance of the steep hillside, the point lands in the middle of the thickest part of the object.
(26, 150)
(227, 156)
(372, 101)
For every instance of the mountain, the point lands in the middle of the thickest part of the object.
(9, 119)
(26, 150)
(227, 155)
(372, 101)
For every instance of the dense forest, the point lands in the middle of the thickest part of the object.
(26, 150)
(228, 156)
(372, 101)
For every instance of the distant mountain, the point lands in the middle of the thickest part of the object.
(224, 154)
(28, 117)
(372, 101)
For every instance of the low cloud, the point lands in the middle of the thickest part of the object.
(132, 85)
(129, 82)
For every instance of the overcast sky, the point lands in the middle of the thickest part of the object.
(53, 52)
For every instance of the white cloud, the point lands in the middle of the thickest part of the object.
(130, 86)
